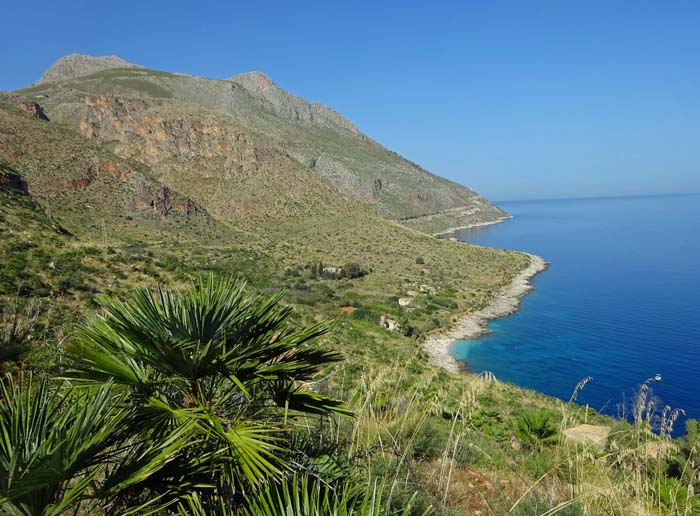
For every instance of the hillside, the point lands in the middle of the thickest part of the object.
(316, 136)
(112, 181)
(85, 184)
(236, 192)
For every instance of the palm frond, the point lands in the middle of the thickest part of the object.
(52, 443)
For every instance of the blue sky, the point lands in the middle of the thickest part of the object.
(518, 100)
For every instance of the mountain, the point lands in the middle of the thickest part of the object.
(130, 176)
(138, 190)
(76, 65)
(69, 174)
(292, 108)
(83, 92)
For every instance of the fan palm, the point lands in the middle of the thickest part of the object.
(220, 368)
(536, 428)
(52, 444)
(300, 495)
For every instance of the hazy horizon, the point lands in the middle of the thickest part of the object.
(517, 102)
(594, 197)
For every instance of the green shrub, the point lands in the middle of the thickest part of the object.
(431, 438)
(69, 282)
(536, 428)
(365, 314)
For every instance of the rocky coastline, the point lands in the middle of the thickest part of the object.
(450, 232)
(472, 325)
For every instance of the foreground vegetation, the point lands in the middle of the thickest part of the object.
(224, 400)
(219, 401)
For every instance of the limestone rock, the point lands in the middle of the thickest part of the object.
(596, 435)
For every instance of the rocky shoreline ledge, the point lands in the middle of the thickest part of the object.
(451, 231)
(472, 325)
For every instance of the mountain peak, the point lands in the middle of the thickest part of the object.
(257, 82)
(294, 108)
(75, 65)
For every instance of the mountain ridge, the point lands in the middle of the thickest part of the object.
(316, 136)
(261, 84)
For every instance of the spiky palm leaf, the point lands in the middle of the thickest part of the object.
(215, 361)
(301, 495)
(536, 428)
(51, 444)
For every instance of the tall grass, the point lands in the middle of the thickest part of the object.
(450, 441)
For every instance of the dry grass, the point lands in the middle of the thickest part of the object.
(431, 438)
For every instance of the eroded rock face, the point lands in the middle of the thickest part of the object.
(58, 163)
(116, 170)
(141, 130)
(12, 181)
(203, 154)
(35, 109)
(167, 202)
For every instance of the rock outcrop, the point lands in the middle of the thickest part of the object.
(62, 165)
(12, 181)
(596, 435)
(205, 155)
(293, 108)
(35, 109)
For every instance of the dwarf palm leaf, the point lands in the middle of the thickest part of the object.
(215, 360)
(536, 428)
(51, 445)
(301, 495)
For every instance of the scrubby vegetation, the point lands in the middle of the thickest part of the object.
(230, 400)
(215, 400)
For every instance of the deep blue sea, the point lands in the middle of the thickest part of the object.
(620, 301)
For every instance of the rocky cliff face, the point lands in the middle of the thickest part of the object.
(58, 165)
(153, 132)
(31, 107)
(205, 155)
(35, 109)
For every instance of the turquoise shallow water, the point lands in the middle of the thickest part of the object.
(620, 301)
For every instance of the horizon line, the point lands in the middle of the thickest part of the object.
(595, 197)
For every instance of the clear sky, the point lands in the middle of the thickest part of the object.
(522, 99)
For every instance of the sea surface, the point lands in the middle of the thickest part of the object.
(620, 301)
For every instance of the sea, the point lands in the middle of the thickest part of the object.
(620, 302)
